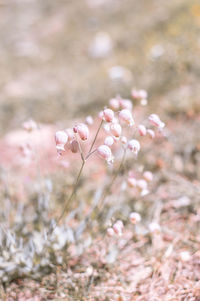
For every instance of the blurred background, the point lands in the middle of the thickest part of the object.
(61, 59)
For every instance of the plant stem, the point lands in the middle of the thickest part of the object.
(73, 192)
(95, 138)
(116, 173)
(68, 202)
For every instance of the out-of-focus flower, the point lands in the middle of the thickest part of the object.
(148, 176)
(114, 104)
(89, 120)
(108, 115)
(83, 131)
(126, 117)
(141, 184)
(139, 94)
(116, 130)
(101, 46)
(109, 141)
(61, 139)
(154, 119)
(135, 217)
(142, 130)
(132, 182)
(118, 227)
(151, 133)
(154, 228)
(74, 146)
(126, 104)
(30, 125)
(134, 146)
(110, 232)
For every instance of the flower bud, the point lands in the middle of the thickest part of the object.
(135, 217)
(110, 232)
(126, 117)
(61, 139)
(142, 130)
(30, 125)
(108, 115)
(134, 146)
(148, 176)
(139, 94)
(151, 133)
(74, 146)
(141, 184)
(83, 131)
(126, 104)
(109, 141)
(154, 119)
(116, 130)
(118, 227)
(105, 152)
(114, 104)
(154, 228)
(132, 182)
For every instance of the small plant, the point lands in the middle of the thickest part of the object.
(118, 139)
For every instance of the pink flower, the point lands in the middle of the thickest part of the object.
(134, 146)
(135, 217)
(109, 141)
(83, 131)
(126, 104)
(74, 146)
(132, 182)
(139, 94)
(148, 176)
(89, 120)
(108, 115)
(110, 232)
(151, 133)
(126, 117)
(61, 139)
(142, 130)
(105, 152)
(142, 184)
(30, 125)
(154, 228)
(114, 104)
(116, 130)
(118, 227)
(154, 119)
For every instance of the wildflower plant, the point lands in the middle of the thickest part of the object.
(116, 144)
(121, 135)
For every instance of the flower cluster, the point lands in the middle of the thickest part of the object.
(117, 117)
(121, 134)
